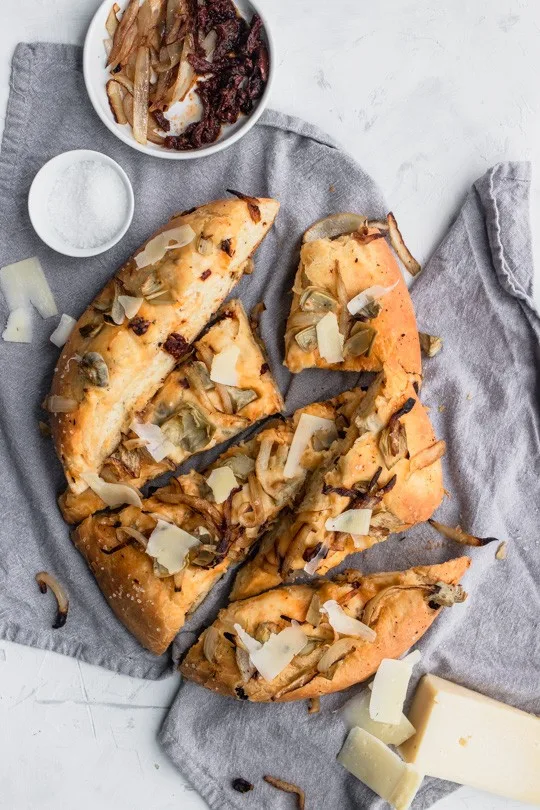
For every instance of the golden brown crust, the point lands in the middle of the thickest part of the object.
(413, 498)
(183, 389)
(401, 617)
(359, 266)
(157, 611)
(138, 363)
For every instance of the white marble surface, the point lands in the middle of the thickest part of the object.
(426, 95)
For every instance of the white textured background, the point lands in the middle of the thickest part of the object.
(427, 96)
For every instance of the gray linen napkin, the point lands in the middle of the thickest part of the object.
(483, 393)
(48, 113)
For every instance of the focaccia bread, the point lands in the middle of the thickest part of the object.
(112, 365)
(152, 603)
(388, 463)
(398, 607)
(331, 273)
(194, 414)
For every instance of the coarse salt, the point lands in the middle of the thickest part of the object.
(88, 204)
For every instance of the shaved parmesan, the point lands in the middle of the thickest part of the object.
(19, 326)
(63, 330)
(368, 296)
(345, 624)
(353, 521)
(224, 366)
(112, 494)
(157, 443)
(356, 713)
(157, 247)
(412, 658)
(24, 283)
(130, 304)
(57, 404)
(169, 546)
(311, 566)
(329, 338)
(374, 764)
(222, 481)
(308, 426)
(389, 691)
(271, 658)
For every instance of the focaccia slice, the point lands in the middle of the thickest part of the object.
(193, 413)
(112, 365)
(331, 273)
(388, 463)
(148, 600)
(397, 608)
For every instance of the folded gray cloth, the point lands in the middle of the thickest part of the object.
(483, 393)
(49, 113)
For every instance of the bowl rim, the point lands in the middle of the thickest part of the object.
(166, 154)
(59, 246)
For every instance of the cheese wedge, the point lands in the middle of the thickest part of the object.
(380, 769)
(473, 740)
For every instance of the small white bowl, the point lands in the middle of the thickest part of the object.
(39, 206)
(96, 76)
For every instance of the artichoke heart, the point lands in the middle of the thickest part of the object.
(241, 465)
(369, 312)
(203, 376)
(241, 397)
(315, 299)
(393, 443)
(94, 369)
(188, 429)
(307, 339)
(360, 341)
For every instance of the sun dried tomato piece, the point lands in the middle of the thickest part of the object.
(162, 122)
(176, 345)
(205, 274)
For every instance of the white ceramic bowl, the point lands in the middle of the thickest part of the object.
(39, 206)
(96, 76)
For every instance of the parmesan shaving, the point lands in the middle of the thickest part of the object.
(112, 494)
(24, 283)
(157, 247)
(356, 713)
(345, 624)
(169, 546)
(157, 443)
(329, 338)
(271, 658)
(222, 481)
(18, 326)
(308, 426)
(389, 691)
(353, 521)
(368, 296)
(412, 658)
(63, 330)
(130, 304)
(311, 566)
(224, 366)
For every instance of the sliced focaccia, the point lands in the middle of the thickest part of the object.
(335, 634)
(220, 513)
(142, 324)
(191, 413)
(384, 477)
(351, 310)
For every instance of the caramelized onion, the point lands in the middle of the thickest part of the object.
(459, 536)
(288, 787)
(401, 248)
(45, 580)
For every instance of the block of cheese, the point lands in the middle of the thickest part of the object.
(473, 740)
(356, 713)
(371, 761)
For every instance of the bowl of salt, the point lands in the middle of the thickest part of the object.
(81, 203)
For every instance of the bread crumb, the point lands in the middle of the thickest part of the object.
(441, 408)
(469, 396)
(464, 740)
(331, 189)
